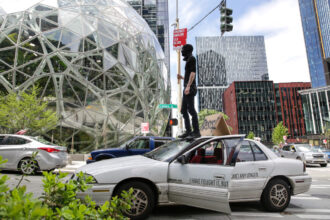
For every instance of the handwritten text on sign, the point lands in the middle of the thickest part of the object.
(179, 38)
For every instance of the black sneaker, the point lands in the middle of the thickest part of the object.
(184, 135)
(195, 134)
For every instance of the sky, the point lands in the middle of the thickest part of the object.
(277, 20)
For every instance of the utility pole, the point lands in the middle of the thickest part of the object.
(179, 72)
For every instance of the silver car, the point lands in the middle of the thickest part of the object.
(18, 150)
(304, 152)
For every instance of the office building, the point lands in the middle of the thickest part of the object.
(289, 108)
(223, 60)
(250, 106)
(315, 18)
(316, 104)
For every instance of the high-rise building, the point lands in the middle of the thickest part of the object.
(289, 107)
(316, 104)
(223, 60)
(250, 106)
(155, 13)
(315, 18)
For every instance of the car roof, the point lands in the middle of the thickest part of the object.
(155, 137)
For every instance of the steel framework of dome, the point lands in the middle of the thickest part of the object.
(97, 63)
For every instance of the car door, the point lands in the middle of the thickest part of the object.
(251, 172)
(139, 146)
(201, 183)
(11, 148)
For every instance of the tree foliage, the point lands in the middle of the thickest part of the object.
(206, 112)
(278, 132)
(26, 111)
(59, 200)
(250, 135)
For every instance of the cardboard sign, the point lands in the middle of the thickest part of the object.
(214, 125)
(179, 38)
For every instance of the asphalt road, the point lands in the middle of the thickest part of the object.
(314, 204)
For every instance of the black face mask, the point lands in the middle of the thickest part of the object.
(186, 51)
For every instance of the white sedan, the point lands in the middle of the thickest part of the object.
(208, 172)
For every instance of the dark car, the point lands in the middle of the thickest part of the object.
(135, 146)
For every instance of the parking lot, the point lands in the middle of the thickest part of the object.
(313, 204)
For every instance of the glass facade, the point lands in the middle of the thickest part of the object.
(155, 13)
(222, 60)
(315, 17)
(256, 108)
(316, 109)
(289, 107)
(97, 63)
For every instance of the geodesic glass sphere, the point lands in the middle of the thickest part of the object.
(96, 62)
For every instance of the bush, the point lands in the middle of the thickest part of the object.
(59, 201)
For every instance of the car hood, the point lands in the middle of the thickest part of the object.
(112, 170)
(107, 150)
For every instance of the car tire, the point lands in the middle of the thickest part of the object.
(276, 196)
(144, 202)
(28, 166)
(324, 165)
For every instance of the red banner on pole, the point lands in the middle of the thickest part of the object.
(179, 38)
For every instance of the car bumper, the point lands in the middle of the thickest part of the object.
(52, 161)
(100, 193)
(301, 184)
(316, 161)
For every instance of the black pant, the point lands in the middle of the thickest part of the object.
(188, 107)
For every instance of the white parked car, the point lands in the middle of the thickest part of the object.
(208, 172)
(305, 153)
(18, 150)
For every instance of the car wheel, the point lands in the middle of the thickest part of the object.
(144, 201)
(28, 166)
(276, 196)
(324, 165)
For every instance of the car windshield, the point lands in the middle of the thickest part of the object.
(304, 148)
(167, 151)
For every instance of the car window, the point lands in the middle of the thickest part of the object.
(286, 148)
(230, 147)
(159, 143)
(15, 141)
(245, 153)
(139, 144)
(210, 153)
(258, 153)
(1, 139)
(167, 151)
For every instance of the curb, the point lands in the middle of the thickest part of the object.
(70, 168)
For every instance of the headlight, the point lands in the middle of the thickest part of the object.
(85, 176)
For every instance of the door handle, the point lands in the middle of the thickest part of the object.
(262, 168)
(219, 177)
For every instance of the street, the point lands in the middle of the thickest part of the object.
(313, 204)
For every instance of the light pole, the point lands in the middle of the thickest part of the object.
(179, 72)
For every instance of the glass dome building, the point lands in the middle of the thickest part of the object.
(96, 62)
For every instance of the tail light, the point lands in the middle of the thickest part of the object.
(48, 149)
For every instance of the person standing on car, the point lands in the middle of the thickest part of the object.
(189, 92)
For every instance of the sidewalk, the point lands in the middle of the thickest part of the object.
(71, 168)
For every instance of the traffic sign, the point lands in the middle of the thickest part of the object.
(167, 106)
(179, 38)
(145, 128)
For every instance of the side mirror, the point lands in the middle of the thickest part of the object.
(182, 159)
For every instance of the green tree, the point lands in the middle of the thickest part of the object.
(206, 112)
(26, 111)
(279, 131)
(250, 135)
